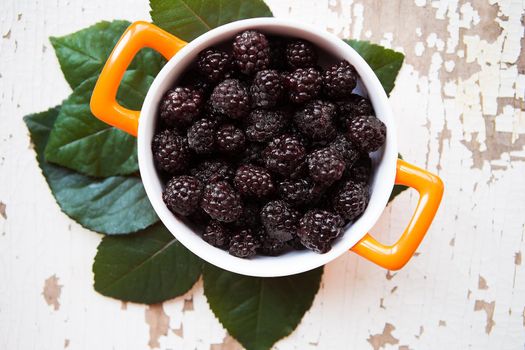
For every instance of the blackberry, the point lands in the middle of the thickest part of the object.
(353, 106)
(351, 200)
(280, 220)
(303, 84)
(367, 132)
(253, 181)
(262, 125)
(212, 114)
(295, 243)
(229, 138)
(180, 105)
(170, 152)
(252, 153)
(201, 136)
(216, 234)
(277, 53)
(339, 80)
(318, 229)
(244, 244)
(283, 154)
(250, 217)
(213, 64)
(193, 80)
(182, 194)
(231, 98)
(362, 170)
(296, 192)
(315, 120)
(270, 246)
(300, 54)
(213, 170)
(326, 166)
(267, 89)
(251, 51)
(346, 148)
(221, 202)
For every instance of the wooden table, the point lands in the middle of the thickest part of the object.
(459, 105)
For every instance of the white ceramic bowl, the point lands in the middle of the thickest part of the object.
(293, 262)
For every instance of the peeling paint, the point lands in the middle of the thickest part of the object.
(517, 258)
(66, 343)
(158, 323)
(179, 331)
(380, 340)
(482, 283)
(3, 208)
(442, 323)
(188, 305)
(421, 330)
(390, 275)
(228, 343)
(123, 305)
(52, 291)
(489, 310)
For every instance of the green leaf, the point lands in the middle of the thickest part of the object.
(188, 19)
(85, 144)
(83, 54)
(148, 267)
(386, 63)
(396, 191)
(259, 311)
(115, 205)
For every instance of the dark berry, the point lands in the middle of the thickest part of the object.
(244, 244)
(221, 202)
(301, 54)
(277, 53)
(339, 80)
(283, 154)
(201, 136)
(318, 229)
(213, 170)
(251, 51)
(250, 217)
(367, 132)
(267, 89)
(326, 166)
(170, 152)
(193, 80)
(280, 220)
(296, 192)
(229, 138)
(213, 64)
(362, 170)
(253, 181)
(182, 194)
(350, 200)
(295, 243)
(262, 125)
(252, 153)
(270, 246)
(180, 105)
(346, 148)
(315, 120)
(353, 106)
(303, 84)
(216, 234)
(231, 98)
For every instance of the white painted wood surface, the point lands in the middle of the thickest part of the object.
(459, 102)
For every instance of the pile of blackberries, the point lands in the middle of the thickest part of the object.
(264, 150)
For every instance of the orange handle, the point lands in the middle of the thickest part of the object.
(430, 188)
(138, 36)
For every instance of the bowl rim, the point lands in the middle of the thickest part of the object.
(384, 160)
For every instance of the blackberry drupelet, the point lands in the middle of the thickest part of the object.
(229, 138)
(283, 154)
(170, 152)
(367, 132)
(213, 170)
(216, 234)
(251, 51)
(213, 64)
(244, 244)
(353, 106)
(300, 54)
(296, 192)
(303, 84)
(318, 229)
(270, 246)
(326, 166)
(280, 220)
(339, 80)
(221, 202)
(252, 154)
(231, 98)
(180, 105)
(346, 148)
(351, 200)
(362, 170)
(253, 181)
(182, 194)
(201, 136)
(267, 89)
(315, 120)
(262, 125)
